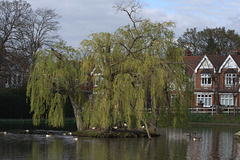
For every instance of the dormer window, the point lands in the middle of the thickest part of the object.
(206, 78)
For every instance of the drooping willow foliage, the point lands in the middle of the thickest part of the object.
(140, 77)
(143, 78)
(58, 74)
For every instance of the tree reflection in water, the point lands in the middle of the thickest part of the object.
(216, 143)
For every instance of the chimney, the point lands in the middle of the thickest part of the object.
(189, 53)
(236, 52)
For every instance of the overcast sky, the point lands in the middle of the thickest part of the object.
(79, 18)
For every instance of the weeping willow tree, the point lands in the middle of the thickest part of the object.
(58, 74)
(142, 74)
(139, 75)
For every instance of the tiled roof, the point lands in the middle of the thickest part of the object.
(191, 63)
(216, 60)
(236, 58)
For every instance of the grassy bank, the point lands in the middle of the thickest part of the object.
(214, 119)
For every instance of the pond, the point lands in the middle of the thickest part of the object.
(215, 143)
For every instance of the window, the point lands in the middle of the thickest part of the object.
(230, 79)
(206, 79)
(227, 99)
(98, 80)
(206, 99)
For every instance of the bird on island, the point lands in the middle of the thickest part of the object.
(75, 138)
(115, 127)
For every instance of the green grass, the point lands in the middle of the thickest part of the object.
(207, 118)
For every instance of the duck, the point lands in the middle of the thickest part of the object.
(70, 133)
(27, 131)
(5, 132)
(64, 134)
(196, 138)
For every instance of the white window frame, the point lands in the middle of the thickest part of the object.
(230, 79)
(206, 79)
(205, 98)
(97, 79)
(228, 99)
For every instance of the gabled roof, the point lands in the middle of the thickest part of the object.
(97, 70)
(216, 60)
(191, 63)
(234, 60)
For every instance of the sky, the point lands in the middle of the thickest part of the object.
(80, 18)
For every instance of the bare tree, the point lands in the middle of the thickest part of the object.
(23, 31)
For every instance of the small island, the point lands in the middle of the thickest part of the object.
(118, 133)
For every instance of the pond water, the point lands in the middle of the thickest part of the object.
(215, 143)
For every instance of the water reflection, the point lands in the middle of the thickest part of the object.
(215, 143)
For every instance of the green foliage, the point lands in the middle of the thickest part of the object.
(209, 41)
(55, 76)
(137, 63)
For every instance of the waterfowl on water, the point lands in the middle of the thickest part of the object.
(196, 138)
(70, 133)
(4, 132)
(64, 134)
(49, 135)
(27, 131)
(191, 134)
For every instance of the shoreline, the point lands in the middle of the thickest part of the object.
(214, 124)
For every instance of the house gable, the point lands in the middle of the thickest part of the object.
(205, 63)
(229, 63)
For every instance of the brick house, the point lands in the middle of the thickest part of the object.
(216, 79)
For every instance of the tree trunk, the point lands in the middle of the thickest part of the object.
(148, 133)
(77, 114)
